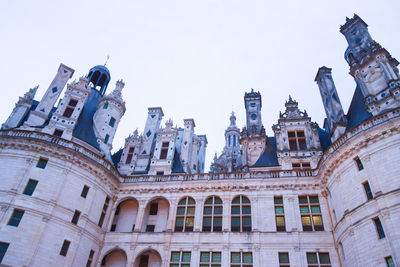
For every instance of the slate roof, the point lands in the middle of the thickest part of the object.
(324, 138)
(116, 157)
(357, 112)
(269, 157)
(177, 164)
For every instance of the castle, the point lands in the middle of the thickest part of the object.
(306, 196)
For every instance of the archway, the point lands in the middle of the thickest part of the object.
(148, 258)
(125, 216)
(115, 258)
(156, 215)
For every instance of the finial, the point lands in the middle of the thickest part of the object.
(290, 99)
(108, 57)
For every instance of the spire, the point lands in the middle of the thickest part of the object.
(233, 119)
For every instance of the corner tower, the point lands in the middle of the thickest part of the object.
(252, 103)
(371, 65)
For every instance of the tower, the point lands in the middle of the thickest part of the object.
(187, 144)
(20, 110)
(109, 112)
(41, 114)
(99, 77)
(64, 119)
(153, 122)
(372, 67)
(252, 103)
(336, 120)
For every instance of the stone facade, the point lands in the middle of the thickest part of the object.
(306, 196)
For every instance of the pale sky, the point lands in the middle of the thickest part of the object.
(195, 59)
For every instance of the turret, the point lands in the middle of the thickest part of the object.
(109, 112)
(40, 115)
(252, 103)
(372, 66)
(187, 144)
(64, 119)
(129, 154)
(153, 122)
(336, 120)
(99, 77)
(20, 110)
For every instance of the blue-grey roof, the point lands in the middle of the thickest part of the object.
(177, 164)
(116, 157)
(33, 107)
(269, 157)
(357, 111)
(324, 138)
(84, 127)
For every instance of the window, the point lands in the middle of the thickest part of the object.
(150, 228)
(106, 139)
(301, 166)
(113, 227)
(164, 150)
(85, 191)
(311, 216)
(297, 140)
(90, 258)
(105, 106)
(212, 215)
(359, 163)
(241, 259)
(180, 259)
(30, 187)
(58, 132)
(185, 215)
(368, 191)
(241, 214)
(130, 155)
(318, 259)
(210, 259)
(76, 216)
(153, 208)
(70, 108)
(103, 212)
(279, 214)
(389, 261)
(16, 217)
(3, 250)
(64, 248)
(379, 228)
(283, 259)
(112, 122)
(144, 259)
(160, 173)
(42, 163)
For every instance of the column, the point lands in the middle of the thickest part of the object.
(198, 215)
(140, 215)
(226, 214)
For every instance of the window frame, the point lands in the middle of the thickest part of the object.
(75, 217)
(311, 214)
(104, 211)
(3, 249)
(180, 263)
(298, 139)
(129, 156)
(242, 255)
(318, 257)
(279, 228)
(186, 205)
(379, 228)
(367, 190)
(30, 186)
(164, 150)
(210, 262)
(70, 108)
(42, 163)
(16, 217)
(90, 258)
(241, 215)
(283, 264)
(212, 215)
(65, 247)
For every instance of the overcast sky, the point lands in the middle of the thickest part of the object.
(195, 59)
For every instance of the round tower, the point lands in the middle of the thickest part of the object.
(110, 110)
(99, 77)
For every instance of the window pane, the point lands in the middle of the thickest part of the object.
(305, 220)
(216, 257)
(292, 144)
(324, 258)
(179, 221)
(189, 221)
(235, 257)
(30, 187)
(302, 144)
(317, 220)
(217, 210)
(303, 200)
(190, 211)
(174, 265)
(283, 257)
(217, 221)
(236, 200)
(208, 201)
(246, 210)
(235, 221)
(182, 202)
(235, 210)
(217, 200)
(205, 257)
(3, 250)
(180, 211)
(207, 210)
(175, 257)
(191, 201)
(278, 200)
(280, 220)
(314, 199)
(186, 257)
(246, 221)
(207, 221)
(315, 209)
(312, 258)
(247, 258)
(279, 210)
(304, 209)
(245, 200)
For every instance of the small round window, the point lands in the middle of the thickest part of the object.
(253, 116)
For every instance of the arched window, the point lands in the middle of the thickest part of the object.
(185, 215)
(212, 215)
(241, 214)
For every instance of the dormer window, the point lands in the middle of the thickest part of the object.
(297, 140)
(164, 150)
(105, 106)
(130, 155)
(70, 108)
(301, 166)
